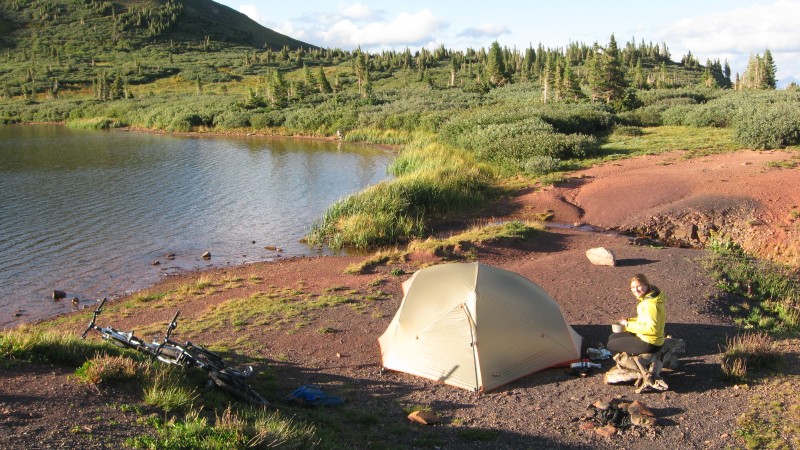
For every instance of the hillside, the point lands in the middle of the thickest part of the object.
(131, 23)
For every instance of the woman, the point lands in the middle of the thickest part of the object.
(645, 332)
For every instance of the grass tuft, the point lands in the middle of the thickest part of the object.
(749, 352)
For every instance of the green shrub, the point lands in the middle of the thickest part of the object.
(769, 126)
(541, 165)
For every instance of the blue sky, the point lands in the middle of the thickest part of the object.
(731, 30)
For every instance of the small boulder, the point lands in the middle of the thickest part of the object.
(601, 256)
(170, 256)
(156, 263)
(606, 431)
(423, 418)
(57, 295)
(207, 255)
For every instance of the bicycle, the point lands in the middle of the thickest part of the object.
(119, 338)
(222, 374)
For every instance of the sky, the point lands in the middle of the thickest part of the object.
(732, 30)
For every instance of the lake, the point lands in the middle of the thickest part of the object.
(90, 212)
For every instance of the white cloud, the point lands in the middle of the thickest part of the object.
(357, 11)
(740, 32)
(404, 29)
(486, 30)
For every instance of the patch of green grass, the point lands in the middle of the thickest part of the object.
(772, 420)
(696, 141)
(768, 294)
(29, 343)
(478, 234)
(109, 369)
(379, 258)
(232, 429)
(783, 164)
(169, 391)
(96, 123)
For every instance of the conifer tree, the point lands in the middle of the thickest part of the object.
(277, 90)
(571, 86)
(770, 82)
(495, 65)
(613, 83)
(323, 85)
(360, 69)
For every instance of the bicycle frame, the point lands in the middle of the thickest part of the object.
(117, 337)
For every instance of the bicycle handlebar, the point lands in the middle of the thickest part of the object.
(172, 325)
(97, 312)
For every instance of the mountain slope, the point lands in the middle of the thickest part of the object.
(223, 23)
(131, 23)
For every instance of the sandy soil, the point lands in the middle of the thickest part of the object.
(666, 197)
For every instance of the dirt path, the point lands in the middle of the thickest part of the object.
(336, 348)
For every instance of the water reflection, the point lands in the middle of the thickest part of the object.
(88, 212)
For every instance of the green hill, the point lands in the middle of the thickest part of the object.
(125, 23)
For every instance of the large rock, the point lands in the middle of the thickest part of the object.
(601, 256)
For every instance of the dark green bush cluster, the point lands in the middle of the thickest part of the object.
(405, 109)
(321, 119)
(628, 130)
(769, 126)
(510, 137)
(693, 95)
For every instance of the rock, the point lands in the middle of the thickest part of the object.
(156, 263)
(207, 255)
(423, 417)
(75, 302)
(272, 248)
(601, 256)
(641, 414)
(58, 294)
(587, 426)
(606, 431)
(170, 256)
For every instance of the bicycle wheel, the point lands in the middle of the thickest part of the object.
(213, 362)
(234, 386)
(206, 359)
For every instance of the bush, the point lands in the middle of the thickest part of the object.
(541, 165)
(769, 126)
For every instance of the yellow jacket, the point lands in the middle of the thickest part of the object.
(648, 325)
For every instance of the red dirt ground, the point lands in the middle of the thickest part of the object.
(737, 193)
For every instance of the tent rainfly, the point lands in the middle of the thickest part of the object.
(476, 327)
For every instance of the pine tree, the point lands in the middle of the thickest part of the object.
(360, 69)
(309, 82)
(770, 82)
(323, 85)
(571, 86)
(614, 84)
(495, 65)
(278, 90)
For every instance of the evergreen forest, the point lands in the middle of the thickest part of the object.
(466, 120)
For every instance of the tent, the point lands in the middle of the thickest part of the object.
(476, 327)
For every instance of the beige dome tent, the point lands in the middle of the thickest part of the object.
(476, 327)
